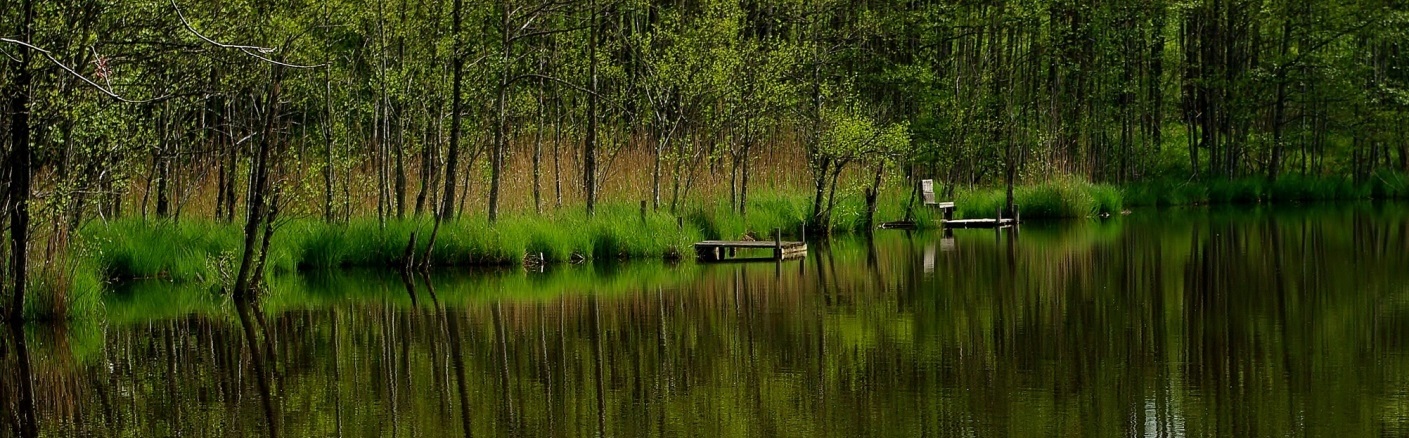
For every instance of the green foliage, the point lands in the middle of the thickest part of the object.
(67, 291)
(1285, 190)
(1059, 198)
(202, 252)
(859, 93)
(1164, 193)
(186, 251)
(1389, 185)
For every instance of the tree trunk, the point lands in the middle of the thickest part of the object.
(655, 174)
(744, 170)
(589, 156)
(258, 207)
(328, 128)
(428, 153)
(328, 157)
(557, 165)
(873, 194)
(232, 166)
(400, 170)
(496, 152)
(1403, 146)
(819, 183)
(826, 224)
(20, 166)
(538, 156)
(501, 122)
(163, 186)
(28, 424)
(453, 155)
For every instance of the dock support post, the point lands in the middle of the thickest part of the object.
(778, 243)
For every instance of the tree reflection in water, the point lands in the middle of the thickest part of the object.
(1238, 323)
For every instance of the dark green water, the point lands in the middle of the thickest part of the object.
(1232, 322)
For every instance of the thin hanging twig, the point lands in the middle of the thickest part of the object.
(253, 51)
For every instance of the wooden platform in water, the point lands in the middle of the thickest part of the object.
(725, 250)
(979, 223)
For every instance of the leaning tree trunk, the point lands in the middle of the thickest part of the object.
(453, 155)
(245, 280)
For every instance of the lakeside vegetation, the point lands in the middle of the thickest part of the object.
(218, 142)
(1121, 304)
(201, 253)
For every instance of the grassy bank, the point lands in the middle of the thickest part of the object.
(64, 289)
(1291, 189)
(1075, 198)
(203, 251)
(1056, 199)
(207, 251)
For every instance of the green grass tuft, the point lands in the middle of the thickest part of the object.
(1060, 198)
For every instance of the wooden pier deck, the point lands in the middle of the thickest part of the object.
(979, 223)
(725, 250)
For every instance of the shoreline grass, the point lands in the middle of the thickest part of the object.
(1063, 198)
(1067, 198)
(1246, 191)
(203, 251)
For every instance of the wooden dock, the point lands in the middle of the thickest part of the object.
(979, 223)
(725, 250)
(999, 222)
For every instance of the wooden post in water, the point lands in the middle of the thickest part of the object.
(778, 243)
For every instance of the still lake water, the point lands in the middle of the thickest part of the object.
(1225, 322)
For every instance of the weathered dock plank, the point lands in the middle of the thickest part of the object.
(724, 250)
(979, 223)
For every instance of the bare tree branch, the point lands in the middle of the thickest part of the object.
(256, 52)
(193, 31)
(80, 76)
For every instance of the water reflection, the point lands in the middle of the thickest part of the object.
(1224, 323)
(17, 383)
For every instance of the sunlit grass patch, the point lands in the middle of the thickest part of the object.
(1060, 198)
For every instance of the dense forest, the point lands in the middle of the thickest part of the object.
(246, 111)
